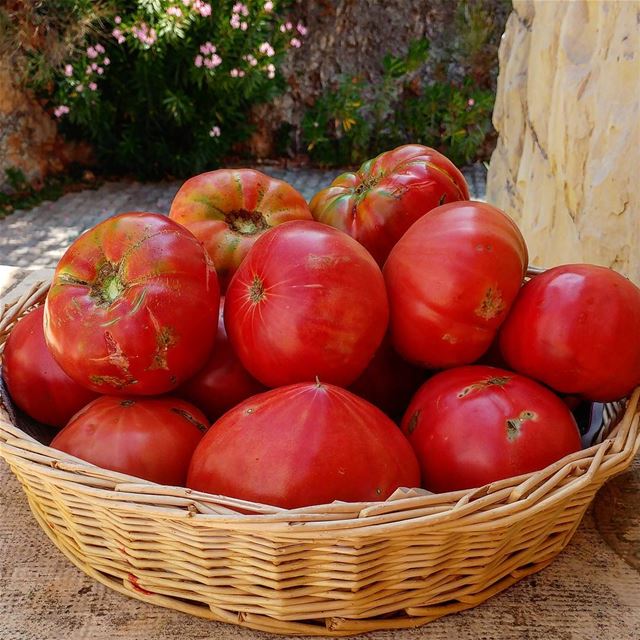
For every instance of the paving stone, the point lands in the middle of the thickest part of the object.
(38, 237)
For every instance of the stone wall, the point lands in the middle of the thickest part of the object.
(28, 135)
(351, 37)
(567, 161)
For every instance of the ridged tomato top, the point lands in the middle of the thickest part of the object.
(133, 306)
(228, 209)
(380, 201)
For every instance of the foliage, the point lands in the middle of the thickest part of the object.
(160, 86)
(21, 194)
(343, 128)
(456, 120)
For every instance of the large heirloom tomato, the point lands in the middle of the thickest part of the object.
(150, 438)
(229, 209)
(35, 380)
(133, 307)
(223, 382)
(379, 202)
(577, 329)
(308, 301)
(474, 425)
(451, 280)
(301, 445)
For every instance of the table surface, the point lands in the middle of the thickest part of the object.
(592, 590)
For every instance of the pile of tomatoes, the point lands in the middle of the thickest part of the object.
(383, 336)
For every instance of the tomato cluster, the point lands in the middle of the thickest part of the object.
(389, 298)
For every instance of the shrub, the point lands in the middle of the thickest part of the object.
(343, 128)
(164, 86)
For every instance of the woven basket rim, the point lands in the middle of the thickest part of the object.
(479, 508)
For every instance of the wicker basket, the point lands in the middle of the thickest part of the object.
(336, 569)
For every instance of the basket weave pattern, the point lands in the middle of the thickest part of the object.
(335, 569)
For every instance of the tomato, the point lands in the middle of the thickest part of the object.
(576, 328)
(451, 280)
(229, 209)
(379, 202)
(304, 444)
(308, 301)
(389, 382)
(133, 306)
(150, 438)
(34, 379)
(223, 382)
(474, 425)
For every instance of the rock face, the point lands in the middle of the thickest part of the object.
(567, 162)
(351, 37)
(28, 136)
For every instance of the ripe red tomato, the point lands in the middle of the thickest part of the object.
(34, 379)
(577, 329)
(301, 445)
(474, 425)
(379, 202)
(133, 306)
(229, 209)
(308, 301)
(451, 280)
(389, 382)
(223, 382)
(150, 438)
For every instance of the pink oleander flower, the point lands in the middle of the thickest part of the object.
(68, 70)
(198, 61)
(240, 73)
(267, 49)
(283, 28)
(238, 7)
(250, 59)
(268, 6)
(216, 60)
(471, 102)
(207, 47)
(144, 34)
(59, 111)
(88, 71)
(93, 86)
(117, 19)
(215, 132)
(271, 71)
(295, 43)
(91, 52)
(117, 34)
(302, 30)
(106, 62)
(80, 88)
(99, 48)
(244, 26)
(94, 66)
(233, 73)
(235, 20)
(174, 11)
(186, 3)
(205, 9)
(288, 26)
(100, 71)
